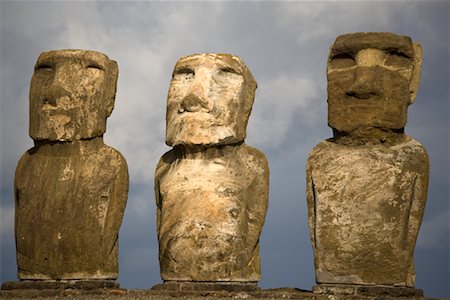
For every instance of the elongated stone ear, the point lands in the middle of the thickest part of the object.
(113, 73)
(415, 77)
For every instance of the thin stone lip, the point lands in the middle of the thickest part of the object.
(182, 111)
(47, 106)
(362, 96)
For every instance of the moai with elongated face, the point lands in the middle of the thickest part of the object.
(367, 186)
(70, 188)
(211, 188)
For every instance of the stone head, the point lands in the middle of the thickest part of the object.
(72, 93)
(209, 101)
(372, 79)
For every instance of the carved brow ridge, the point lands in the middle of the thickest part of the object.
(352, 43)
(87, 61)
(188, 67)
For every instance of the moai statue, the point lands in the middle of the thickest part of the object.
(367, 186)
(70, 188)
(211, 188)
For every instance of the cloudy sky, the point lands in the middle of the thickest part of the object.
(285, 45)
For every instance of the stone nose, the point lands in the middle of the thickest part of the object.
(370, 58)
(196, 100)
(366, 84)
(58, 89)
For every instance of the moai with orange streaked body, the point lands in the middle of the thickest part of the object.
(367, 185)
(211, 188)
(70, 188)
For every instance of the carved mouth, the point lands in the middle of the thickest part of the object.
(46, 104)
(61, 103)
(362, 95)
(199, 109)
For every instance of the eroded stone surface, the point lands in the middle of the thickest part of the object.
(275, 294)
(211, 189)
(59, 285)
(372, 78)
(71, 188)
(367, 186)
(190, 286)
(72, 93)
(368, 291)
(210, 100)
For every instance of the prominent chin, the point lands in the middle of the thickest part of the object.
(69, 125)
(348, 122)
(53, 137)
(65, 134)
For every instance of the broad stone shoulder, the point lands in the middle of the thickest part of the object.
(111, 152)
(111, 159)
(23, 160)
(259, 155)
(254, 157)
(413, 154)
(27, 155)
(321, 148)
(169, 157)
(165, 161)
(319, 155)
(412, 146)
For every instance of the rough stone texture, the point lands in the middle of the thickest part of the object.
(72, 93)
(367, 290)
(372, 78)
(367, 186)
(122, 294)
(71, 188)
(64, 284)
(183, 286)
(210, 100)
(211, 188)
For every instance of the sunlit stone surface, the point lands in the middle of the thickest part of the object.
(71, 188)
(211, 188)
(367, 186)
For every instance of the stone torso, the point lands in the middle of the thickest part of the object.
(365, 209)
(211, 209)
(68, 212)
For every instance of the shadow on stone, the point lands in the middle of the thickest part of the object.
(368, 291)
(58, 285)
(206, 286)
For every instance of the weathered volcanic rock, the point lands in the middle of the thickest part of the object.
(211, 189)
(367, 186)
(71, 188)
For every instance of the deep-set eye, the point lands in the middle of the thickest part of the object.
(183, 73)
(94, 66)
(43, 67)
(43, 71)
(398, 59)
(343, 60)
(229, 70)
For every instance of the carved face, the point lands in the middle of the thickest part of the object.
(209, 101)
(71, 95)
(372, 78)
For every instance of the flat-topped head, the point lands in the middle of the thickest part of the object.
(372, 79)
(72, 93)
(209, 101)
